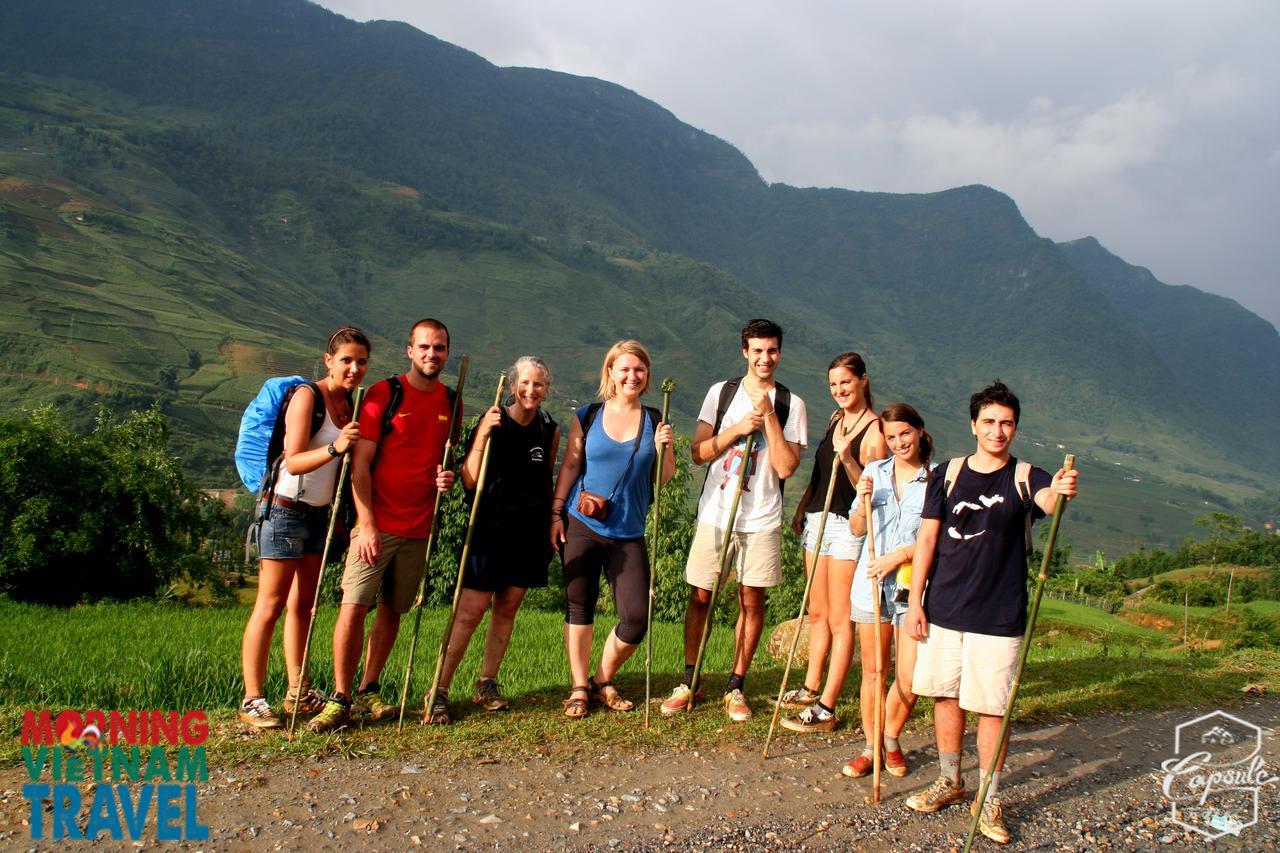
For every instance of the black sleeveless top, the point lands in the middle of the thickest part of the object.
(517, 487)
(845, 492)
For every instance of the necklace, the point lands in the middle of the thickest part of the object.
(846, 430)
(341, 414)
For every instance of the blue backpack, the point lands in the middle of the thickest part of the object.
(261, 440)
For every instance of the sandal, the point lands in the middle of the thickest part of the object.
(577, 707)
(612, 699)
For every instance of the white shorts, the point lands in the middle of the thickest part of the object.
(757, 557)
(838, 541)
(975, 668)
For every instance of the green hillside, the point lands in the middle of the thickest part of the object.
(184, 216)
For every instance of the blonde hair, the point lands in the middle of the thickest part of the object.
(608, 389)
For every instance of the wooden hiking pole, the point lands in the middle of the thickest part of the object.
(447, 462)
(668, 385)
(462, 561)
(877, 725)
(1067, 464)
(804, 601)
(334, 509)
(724, 569)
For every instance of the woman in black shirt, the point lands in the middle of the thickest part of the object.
(510, 551)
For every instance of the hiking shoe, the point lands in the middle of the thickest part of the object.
(370, 704)
(333, 716)
(857, 768)
(489, 697)
(735, 705)
(438, 713)
(991, 823)
(940, 793)
(256, 713)
(798, 698)
(309, 702)
(811, 720)
(678, 701)
(895, 763)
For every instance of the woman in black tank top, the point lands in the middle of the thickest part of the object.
(510, 550)
(854, 436)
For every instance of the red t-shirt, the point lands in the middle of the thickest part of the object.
(404, 467)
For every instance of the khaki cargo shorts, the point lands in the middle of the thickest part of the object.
(393, 580)
(975, 668)
(756, 556)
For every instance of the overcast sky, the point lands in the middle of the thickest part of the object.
(1153, 126)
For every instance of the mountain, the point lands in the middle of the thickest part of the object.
(192, 193)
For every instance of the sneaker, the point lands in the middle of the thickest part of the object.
(489, 696)
(370, 704)
(257, 714)
(335, 715)
(895, 763)
(797, 698)
(939, 794)
(991, 823)
(857, 768)
(678, 701)
(811, 720)
(735, 705)
(309, 702)
(438, 713)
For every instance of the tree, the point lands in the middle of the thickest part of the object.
(1222, 526)
(104, 515)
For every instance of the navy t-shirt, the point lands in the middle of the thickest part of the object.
(979, 582)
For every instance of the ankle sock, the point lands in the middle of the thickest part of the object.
(950, 762)
(735, 682)
(891, 744)
(371, 687)
(341, 699)
(995, 783)
(688, 675)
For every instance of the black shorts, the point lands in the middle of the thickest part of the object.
(493, 569)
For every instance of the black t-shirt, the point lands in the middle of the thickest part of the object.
(979, 580)
(517, 492)
(845, 492)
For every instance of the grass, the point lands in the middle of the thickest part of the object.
(1201, 571)
(148, 656)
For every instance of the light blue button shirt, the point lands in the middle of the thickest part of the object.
(895, 523)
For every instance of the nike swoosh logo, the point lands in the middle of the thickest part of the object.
(403, 414)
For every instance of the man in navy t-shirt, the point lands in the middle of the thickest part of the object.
(970, 620)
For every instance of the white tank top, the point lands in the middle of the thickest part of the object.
(315, 487)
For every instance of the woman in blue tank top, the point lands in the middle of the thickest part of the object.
(602, 497)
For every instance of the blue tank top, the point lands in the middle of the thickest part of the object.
(606, 460)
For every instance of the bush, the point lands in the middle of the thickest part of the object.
(108, 515)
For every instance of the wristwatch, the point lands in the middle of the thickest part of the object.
(333, 451)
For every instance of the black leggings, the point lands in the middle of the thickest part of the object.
(626, 567)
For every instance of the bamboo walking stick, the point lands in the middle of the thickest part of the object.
(804, 602)
(668, 385)
(877, 726)
(462, 562)
(447, 462)
(724, 568)
(324, 558)
(1067, 464)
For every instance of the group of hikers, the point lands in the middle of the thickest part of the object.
(948, 569)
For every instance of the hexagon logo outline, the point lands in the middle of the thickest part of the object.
(1238, 772)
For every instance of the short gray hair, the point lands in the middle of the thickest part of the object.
(513, 373)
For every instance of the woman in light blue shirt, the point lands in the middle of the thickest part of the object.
(896, 486)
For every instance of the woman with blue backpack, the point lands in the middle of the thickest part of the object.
(602, 497)
(293, 512)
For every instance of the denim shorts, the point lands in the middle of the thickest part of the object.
(289, 533)
(890, 610)
(838, 540)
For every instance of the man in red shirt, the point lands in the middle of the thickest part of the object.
(395, 477)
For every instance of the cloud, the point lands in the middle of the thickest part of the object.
(1150, 125)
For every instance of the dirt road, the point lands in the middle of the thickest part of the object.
(1090, 784)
